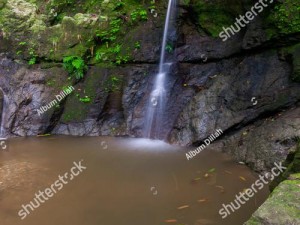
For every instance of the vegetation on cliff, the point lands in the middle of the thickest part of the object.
(51, 30)
(56, 29)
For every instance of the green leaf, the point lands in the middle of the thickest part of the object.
(212, 170)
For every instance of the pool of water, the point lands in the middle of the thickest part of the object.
(126, 182)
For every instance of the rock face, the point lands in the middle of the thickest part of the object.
(26, 91)
(282, 207)
(262, 143)
(228, 99)
(238, 86)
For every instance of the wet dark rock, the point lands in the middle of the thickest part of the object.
(26, 91)
(282, 207)
(227, 102)
(255, 35)
(262, 143)
(199, 48)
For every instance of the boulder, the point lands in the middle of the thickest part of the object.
(282, 207)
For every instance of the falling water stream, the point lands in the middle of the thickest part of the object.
(157, 100)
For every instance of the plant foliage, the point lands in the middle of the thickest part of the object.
(112, 84)
(75, 66)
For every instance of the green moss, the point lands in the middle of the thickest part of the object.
(51, 82)
(270, 32)
(71, 37)
(214, 26)
(79, 50)
(74, 115)
(185, 2)
(294, 53)
(253, 221)
(296, 64)
(286, 16)
(293, 166)
(91, 85)
(2, 3)
(295, 176)
(282, 207)
(113, 84)
(103, 24)
(14, 24)
(76, 110)
(212, 16)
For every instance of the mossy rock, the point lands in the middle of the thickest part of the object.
(285, 18)
(2, 3)
(54, 29)
(295, 176)
(185, 2)
(296, 64)
(212, 16)
(71, 37)
(292, 168)
(76, 110)
(27, 30)
(293, 53)
(17, 16)
(282, 207)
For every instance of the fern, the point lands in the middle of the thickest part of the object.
(75, 66)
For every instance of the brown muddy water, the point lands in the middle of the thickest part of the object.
(126, 182)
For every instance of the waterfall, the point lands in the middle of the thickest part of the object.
(157, 100)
